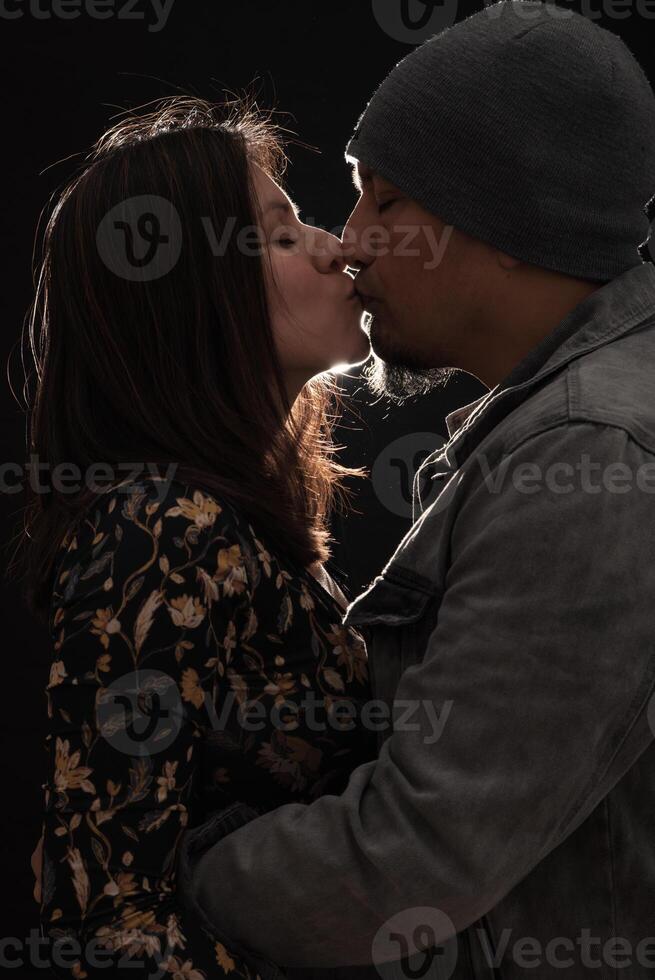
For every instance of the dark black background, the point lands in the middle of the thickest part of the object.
(62, 81)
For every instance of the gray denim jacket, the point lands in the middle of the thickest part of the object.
(509, 820)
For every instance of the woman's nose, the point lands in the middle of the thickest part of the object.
(330, 254)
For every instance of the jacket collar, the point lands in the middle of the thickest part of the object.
(457, 418)
(600, 318)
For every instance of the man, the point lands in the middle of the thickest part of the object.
(507, 828)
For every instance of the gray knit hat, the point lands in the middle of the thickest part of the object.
(526, 126)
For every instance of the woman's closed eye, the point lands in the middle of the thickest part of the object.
(285, 233)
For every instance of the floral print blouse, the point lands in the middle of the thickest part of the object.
(192, 668)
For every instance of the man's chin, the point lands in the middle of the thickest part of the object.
(398, 376)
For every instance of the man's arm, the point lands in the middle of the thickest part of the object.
(542, 645)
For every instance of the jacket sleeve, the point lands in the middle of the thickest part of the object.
(542, 685)
(144, 607)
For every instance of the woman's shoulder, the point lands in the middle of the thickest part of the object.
(155, 507)
(157, 535)
(153, 526)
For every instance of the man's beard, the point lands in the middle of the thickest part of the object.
(399, 375)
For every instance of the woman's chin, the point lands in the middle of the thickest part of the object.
(353, 349)
(352, 358)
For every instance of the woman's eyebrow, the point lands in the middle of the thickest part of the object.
(287, 206)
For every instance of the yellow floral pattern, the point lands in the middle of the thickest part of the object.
(176, 589)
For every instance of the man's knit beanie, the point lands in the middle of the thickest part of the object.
(526, 126)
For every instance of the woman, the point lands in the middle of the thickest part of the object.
(183, 321)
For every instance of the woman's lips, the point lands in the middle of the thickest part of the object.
(366, 301)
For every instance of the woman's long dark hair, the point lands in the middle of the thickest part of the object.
(176, 365)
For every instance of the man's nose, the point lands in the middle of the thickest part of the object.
(351, 245)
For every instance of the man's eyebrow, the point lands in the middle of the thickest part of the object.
(356, 179)
(361, 174)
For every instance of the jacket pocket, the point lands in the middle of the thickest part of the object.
(398, 596)
(194, 842)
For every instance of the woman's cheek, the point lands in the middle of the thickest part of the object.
(301, 290)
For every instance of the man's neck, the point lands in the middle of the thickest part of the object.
(536, 314)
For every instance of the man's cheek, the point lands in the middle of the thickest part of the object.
(406, 244)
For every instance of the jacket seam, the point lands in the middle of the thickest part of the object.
(553, 423)
(615, 422)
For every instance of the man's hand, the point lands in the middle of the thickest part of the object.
(36, 861)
